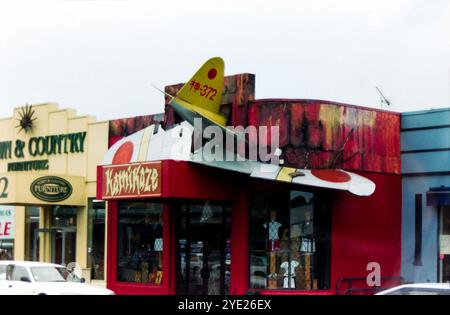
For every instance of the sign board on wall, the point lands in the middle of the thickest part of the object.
(51, 188)
(35, 189)
(7, 222)
(131, 180)
(40, 146)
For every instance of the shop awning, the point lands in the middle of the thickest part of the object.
(438, 196)
(155, 144)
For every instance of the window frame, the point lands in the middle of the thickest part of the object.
(322, 199)
(164, 256)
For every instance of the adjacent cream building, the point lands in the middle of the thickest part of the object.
(48, 163)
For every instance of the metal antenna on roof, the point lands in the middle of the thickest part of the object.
(382, 98)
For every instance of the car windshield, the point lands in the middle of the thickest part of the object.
(53, 274)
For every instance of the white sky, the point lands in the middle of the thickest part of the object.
(101, 57)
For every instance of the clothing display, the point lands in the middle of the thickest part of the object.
(274, 245)
(307, 227)
(289, 274)
(158, 245)
(307, 245)
(154, 231)
(273, 229)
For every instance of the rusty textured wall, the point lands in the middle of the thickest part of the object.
(322, 134)
(119, 128)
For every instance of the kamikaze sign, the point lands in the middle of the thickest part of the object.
(7, 222)
(131, 180)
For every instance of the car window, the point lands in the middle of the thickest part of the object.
(2, 272)
(18, 272)
(53, 274)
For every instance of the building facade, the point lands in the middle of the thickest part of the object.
(199, 230)
(425, 145)
(48, 159)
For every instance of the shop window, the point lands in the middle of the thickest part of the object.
(96, 239)
(289, 241)
(7, 232)
(140, 242)
(204, 248)
(32, 216)
(6, 249)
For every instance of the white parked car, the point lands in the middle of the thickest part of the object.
(36, 278)
(418, 289)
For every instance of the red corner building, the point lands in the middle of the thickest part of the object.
(178, 227)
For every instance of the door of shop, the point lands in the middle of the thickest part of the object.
(63, 244)
(203, 244)
(444, 245)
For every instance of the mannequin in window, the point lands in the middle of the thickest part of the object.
(307, 244)
(272, 226)
(289, 273)
(145, 234)
(156, 227)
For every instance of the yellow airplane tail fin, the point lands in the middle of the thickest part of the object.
(204, 89)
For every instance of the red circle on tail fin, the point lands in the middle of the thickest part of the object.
(212, 73)
(334, 176)
(124, 153)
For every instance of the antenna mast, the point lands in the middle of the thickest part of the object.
(382, 98)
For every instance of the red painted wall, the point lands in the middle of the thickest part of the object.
(364, 229)
(180, 180)
(367, 229)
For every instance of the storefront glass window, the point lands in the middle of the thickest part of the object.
(7, 232)
(96, 239)
(204, 248)
(289, 241)
(64, 234)
(140, 242)
(6, 249)
(32, 216)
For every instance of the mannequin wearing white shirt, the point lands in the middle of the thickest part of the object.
(289, 275)
(273, 226)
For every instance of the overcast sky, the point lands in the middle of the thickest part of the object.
(101, 57)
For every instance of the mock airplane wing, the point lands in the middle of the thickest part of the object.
(154, 144)
(325, 178)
